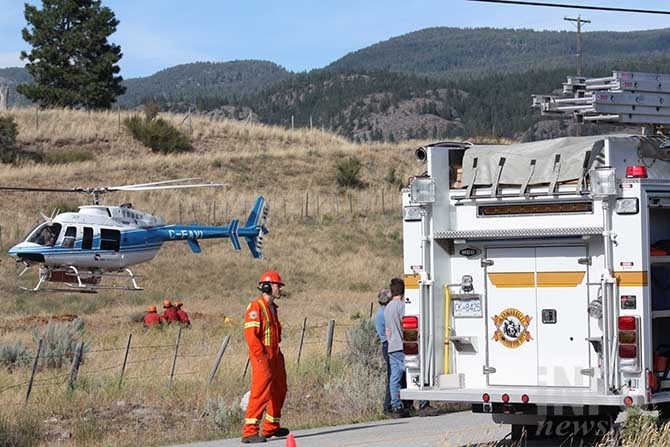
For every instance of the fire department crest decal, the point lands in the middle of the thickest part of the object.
(511, 328)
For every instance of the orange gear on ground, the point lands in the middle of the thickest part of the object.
(262, 332)
(152, 319)
(170, 314)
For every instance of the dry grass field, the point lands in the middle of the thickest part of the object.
(334, 249)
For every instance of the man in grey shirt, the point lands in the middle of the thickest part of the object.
(393, 314)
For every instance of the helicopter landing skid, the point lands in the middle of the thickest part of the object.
(86, 282)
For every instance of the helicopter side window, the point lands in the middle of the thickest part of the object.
(46, 235)
(110, 239)
(87, 240)
(69, 238)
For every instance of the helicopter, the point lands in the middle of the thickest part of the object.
(79, 249)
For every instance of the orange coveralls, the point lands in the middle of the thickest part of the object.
(262, 331)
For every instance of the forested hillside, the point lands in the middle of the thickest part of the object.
(457, 52)
(198, 82)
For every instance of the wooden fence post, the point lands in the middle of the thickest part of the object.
(174, 358)
(302, 339)
(32, 375)
(329, 342)
(76, 361)
(219, 356)
(125, 359)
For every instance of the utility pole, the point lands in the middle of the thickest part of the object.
(579, 22)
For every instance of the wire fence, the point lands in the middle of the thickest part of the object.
(169, 360)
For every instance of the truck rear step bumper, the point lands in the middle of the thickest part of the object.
(553, 396)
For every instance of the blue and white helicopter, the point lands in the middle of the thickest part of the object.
(79, 249)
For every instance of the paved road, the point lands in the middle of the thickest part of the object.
(447, 430)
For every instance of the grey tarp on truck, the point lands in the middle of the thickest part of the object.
(572, 150)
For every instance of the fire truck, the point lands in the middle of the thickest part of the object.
(537, 275)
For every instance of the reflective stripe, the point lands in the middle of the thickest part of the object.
(268, 326)
(252, 324)
(632, 279)
(272, 419)
(411, 281)
(252, 421)
(512, 279)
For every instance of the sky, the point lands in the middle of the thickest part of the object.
(301, 35)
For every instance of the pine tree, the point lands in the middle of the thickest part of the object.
(71, 61)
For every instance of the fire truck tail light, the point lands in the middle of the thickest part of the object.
(505, 398)
(628, 351)
(525, 398)
(410, 348)
(636, 171)
(627, 323)
(486, 397)
(628, 401)
(629, 337)
(410, 322)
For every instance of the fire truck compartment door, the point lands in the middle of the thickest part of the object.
(536, 303)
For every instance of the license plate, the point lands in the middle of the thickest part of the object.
(467, 307)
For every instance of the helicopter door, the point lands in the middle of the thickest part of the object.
(87, 239)
(70, 237)
(110, 239)
(108, 255)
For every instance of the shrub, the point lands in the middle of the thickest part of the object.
(8, 133)
(20, 430)
(348, 173)
(157, 134)
(14, 355)
(67, 156)
(59, 341)
(363, 347)
(226, 416)
(137, 317)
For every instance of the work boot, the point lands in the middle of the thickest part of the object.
(279, 433)
(253, 439)
(427, 411)
(400, 412)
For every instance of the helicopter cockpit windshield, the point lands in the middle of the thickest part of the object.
(45, 234)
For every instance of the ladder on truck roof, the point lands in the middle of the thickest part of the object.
(624, 98)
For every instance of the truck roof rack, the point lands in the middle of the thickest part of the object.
(625, 97)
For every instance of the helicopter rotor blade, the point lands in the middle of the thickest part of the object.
(152, 188)
(30, 189)
(152, 183)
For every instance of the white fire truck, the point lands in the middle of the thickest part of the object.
(537, 277)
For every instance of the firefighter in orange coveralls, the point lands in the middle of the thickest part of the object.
(152, 318)
(262, 331)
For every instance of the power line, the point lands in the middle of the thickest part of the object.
(558, 5)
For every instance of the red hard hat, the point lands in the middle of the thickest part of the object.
(272, 277)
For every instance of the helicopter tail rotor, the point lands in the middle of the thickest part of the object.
(255, 228)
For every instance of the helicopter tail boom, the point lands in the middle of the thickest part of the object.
(252, 231)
